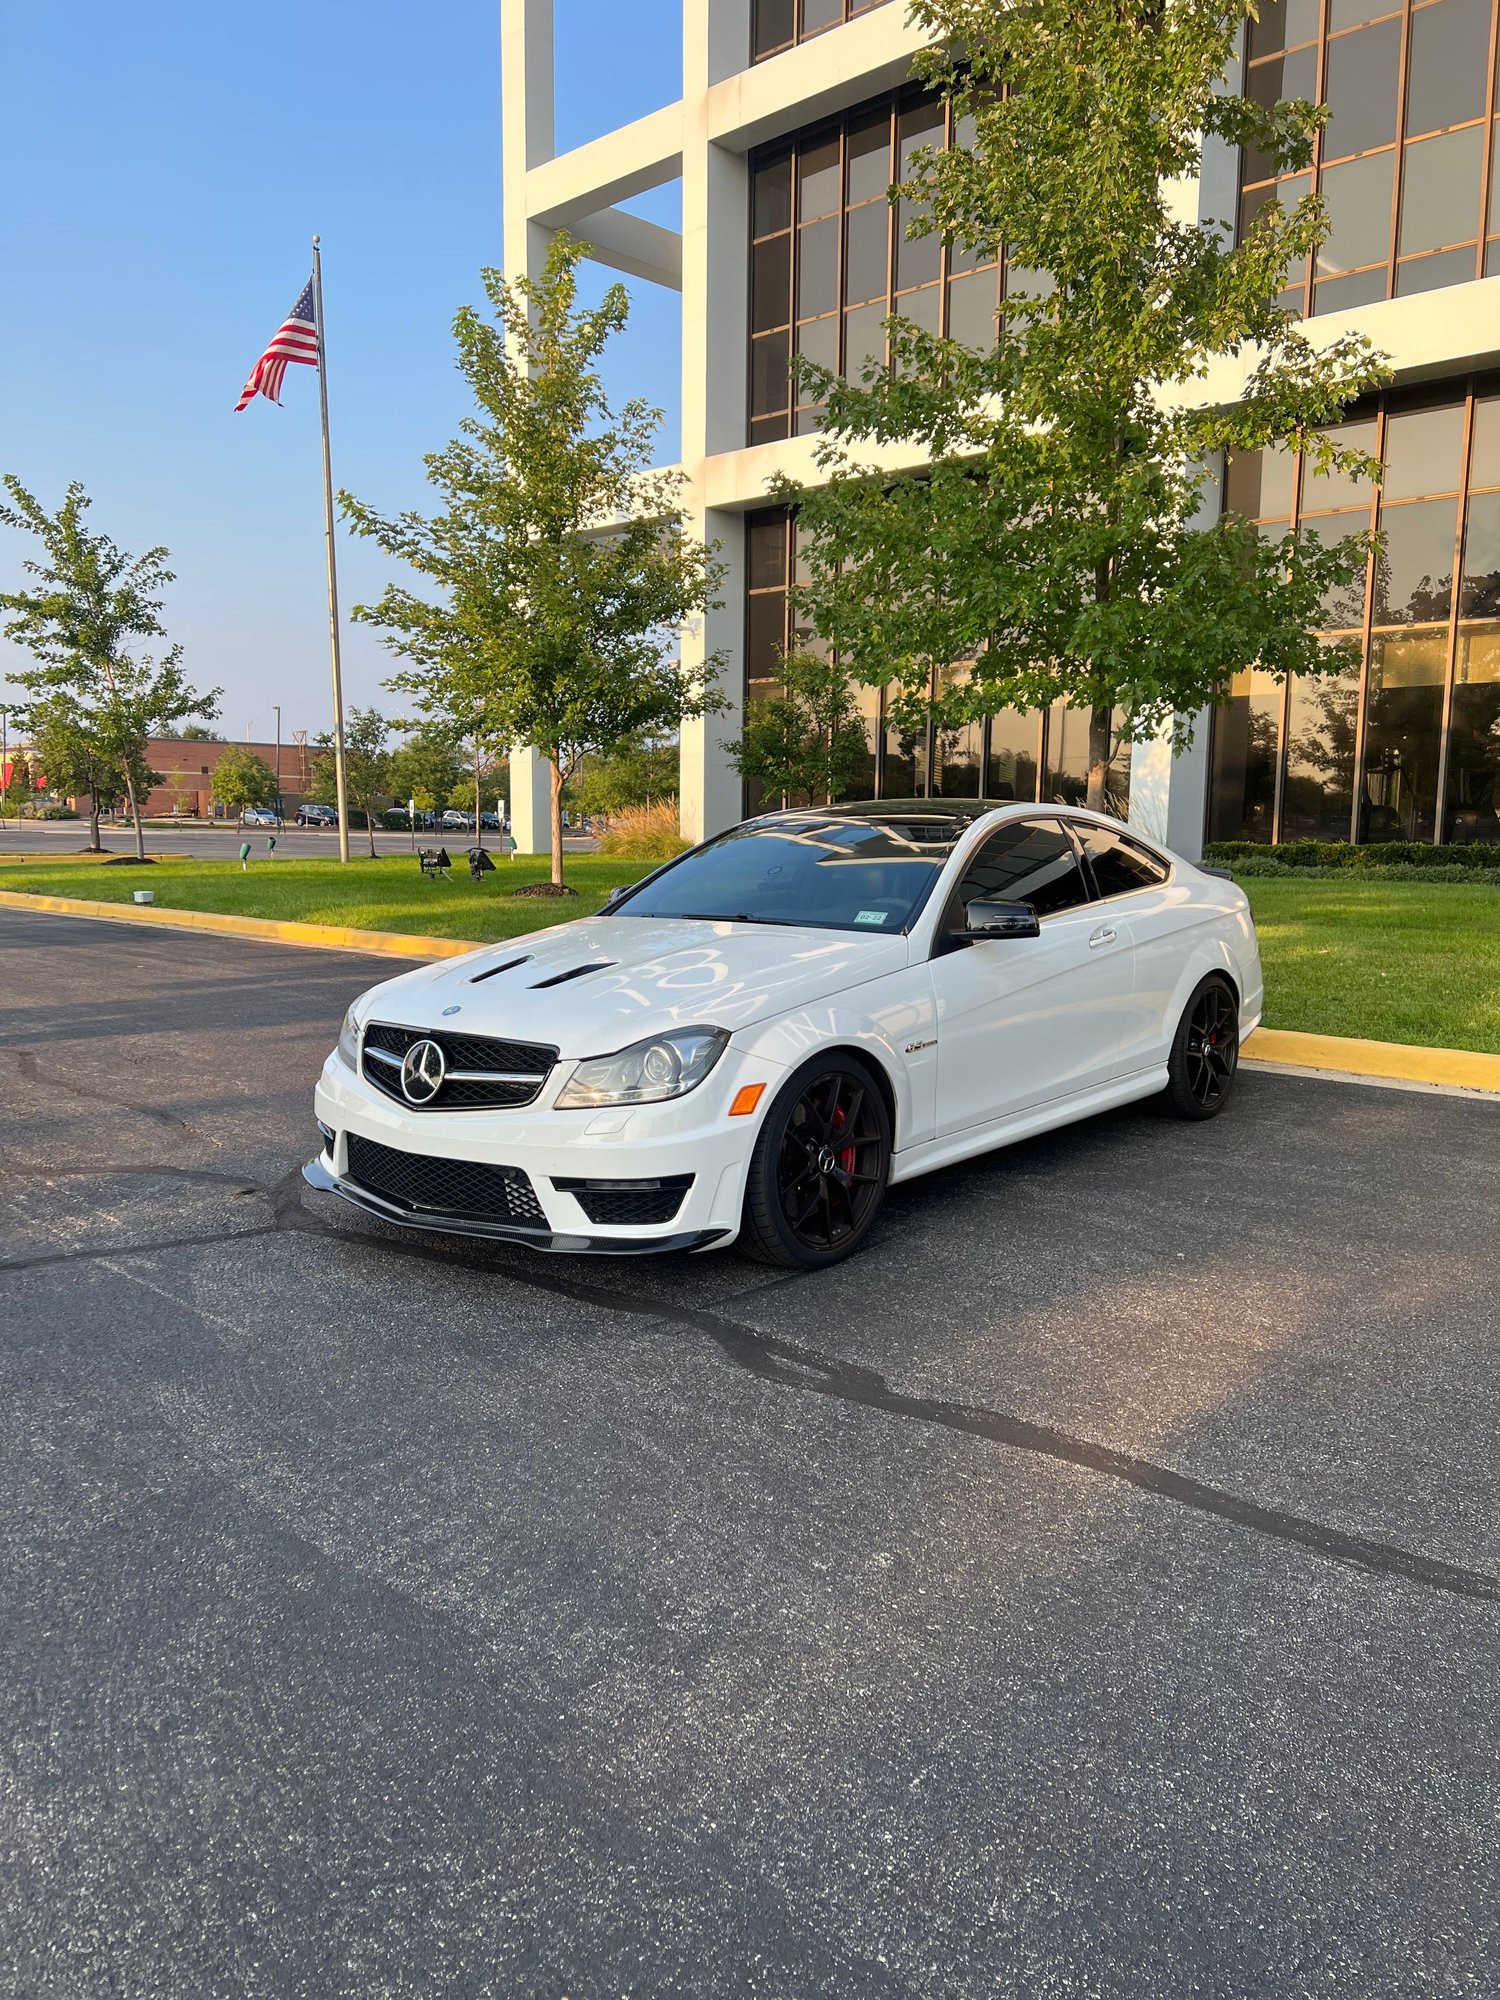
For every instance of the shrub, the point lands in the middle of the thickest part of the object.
(1340, 854)
(1263, 868)
(645, 833)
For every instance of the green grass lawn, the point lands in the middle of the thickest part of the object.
(389, 894)
(1389, 961)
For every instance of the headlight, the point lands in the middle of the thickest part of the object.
(349, 1040)
(647, 1072)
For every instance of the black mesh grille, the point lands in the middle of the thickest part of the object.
(527, 1059)
(628, 1201)
(417, 1182)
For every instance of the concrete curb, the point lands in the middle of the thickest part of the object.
(325, 937)
(1329, 1055)
(1387, 1062)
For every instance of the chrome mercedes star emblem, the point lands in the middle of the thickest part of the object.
(422, 1072)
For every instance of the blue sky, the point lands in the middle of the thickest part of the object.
(165, 166)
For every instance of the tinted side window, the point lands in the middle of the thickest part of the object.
(1119, 865)
(1031, 861)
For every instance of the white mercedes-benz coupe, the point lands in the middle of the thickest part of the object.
(752, 1043)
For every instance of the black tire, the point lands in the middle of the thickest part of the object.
(1205, 1054)
(818, 1173)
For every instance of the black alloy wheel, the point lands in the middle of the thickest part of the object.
(818, 1173)
(1205, 1052)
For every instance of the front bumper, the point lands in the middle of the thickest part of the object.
(318, 1176)
(689, 1136)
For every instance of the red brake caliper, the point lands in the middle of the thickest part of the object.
(846, 1156)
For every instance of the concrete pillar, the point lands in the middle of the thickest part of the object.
(711, 791)
(530, 802)
(526, 98)
(715, 322)
(1150, 784)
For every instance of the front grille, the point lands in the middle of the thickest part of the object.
(628, 1201)
(421, 1184)
(527, 1064)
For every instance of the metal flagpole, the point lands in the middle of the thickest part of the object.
(333, 578)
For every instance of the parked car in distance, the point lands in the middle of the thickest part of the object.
(454, 821)
(259, 816)
(490, 822)
(755, 1040)
(317, 816)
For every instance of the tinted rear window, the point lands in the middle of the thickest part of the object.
(1119, 864)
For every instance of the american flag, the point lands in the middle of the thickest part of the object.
(296, 339)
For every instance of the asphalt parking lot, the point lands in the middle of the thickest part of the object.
(1092, 1590)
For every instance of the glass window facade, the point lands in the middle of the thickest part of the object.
(1406, 160)
(830, 261)
(780, 24)
(1406, 745)
(1006, 756)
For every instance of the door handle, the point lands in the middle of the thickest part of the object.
(1104, 936)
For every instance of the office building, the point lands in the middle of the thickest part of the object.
(793, 118)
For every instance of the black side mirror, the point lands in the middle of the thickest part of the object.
(1001, 920)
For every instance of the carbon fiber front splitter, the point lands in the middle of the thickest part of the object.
(324, 1181)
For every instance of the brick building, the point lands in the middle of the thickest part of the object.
(187, 765)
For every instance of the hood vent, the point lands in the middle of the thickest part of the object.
(509, 966)
(578, 972)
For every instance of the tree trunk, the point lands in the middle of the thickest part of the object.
(95, 845)
(135, 814)
(370, 826)
(557, 846)
(1099, 727)
(1100, 718)
(478, 803)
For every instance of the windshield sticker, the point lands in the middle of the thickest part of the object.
(870, 916)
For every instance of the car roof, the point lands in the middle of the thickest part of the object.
(945, 821)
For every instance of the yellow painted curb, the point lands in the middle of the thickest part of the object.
(1398, 1062)
(328, 937)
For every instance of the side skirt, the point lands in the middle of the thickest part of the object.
(1041, 1118)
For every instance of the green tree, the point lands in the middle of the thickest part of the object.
(1059, 540)
(427, 768)
(242, 779)
(559, 569)
(367, 766)
(198, 732)
(806, 744)
(20, 787)
(92, 605)
(632, 773)
(72, 761)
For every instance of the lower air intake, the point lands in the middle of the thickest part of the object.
(625, 1202)
(423, 1185)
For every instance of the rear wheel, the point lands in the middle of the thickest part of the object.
(818, 1172)
(1205, 1052)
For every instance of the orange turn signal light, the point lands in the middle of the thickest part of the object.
(746, 1098)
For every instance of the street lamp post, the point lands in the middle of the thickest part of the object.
(277, 706)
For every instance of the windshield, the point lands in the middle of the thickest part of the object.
(818, 872)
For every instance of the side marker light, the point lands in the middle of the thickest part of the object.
(746, 1098)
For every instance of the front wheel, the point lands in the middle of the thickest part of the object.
(818, 1173)
(1205, 1052)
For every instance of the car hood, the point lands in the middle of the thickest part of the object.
(593, 986)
